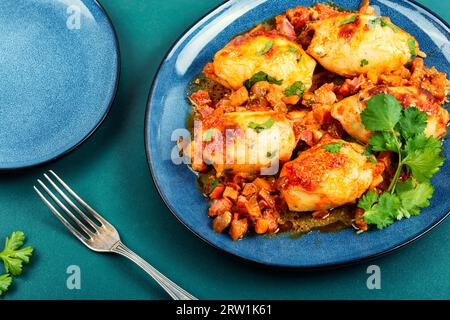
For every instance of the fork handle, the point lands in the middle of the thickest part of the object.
(171, 288)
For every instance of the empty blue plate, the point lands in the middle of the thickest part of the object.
(58, 77)
(168, 109)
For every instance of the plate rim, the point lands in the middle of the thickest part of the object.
(277, 266)
(104, 116)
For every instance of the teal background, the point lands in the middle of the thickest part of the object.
(110, 171)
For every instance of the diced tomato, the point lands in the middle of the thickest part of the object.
(264, 194)
(230, 193)
(249, 189)
(308, 137)
(242, 205)
(253, 208)
(219, 206)
(284, 27)
(217, 191)
(263, 184)
(201, 97)
(238, 227)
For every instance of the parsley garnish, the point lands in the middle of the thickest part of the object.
(266, 49)
(5, 282)
(349, 20)
(260, 127)
(292, 50)
(261, 76)
(208, 135)
(297, 89)
(364, 62)
(412, 46)
(334, 148)
(213, 185)
(13, 258)
(402, 132)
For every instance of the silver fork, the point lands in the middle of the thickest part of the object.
(105, 238)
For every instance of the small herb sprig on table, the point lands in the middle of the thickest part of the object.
(400, 131)
(13, 257)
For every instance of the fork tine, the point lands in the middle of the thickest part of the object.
(70, 202)
(67, 211)
(94, 213)
(74, 231)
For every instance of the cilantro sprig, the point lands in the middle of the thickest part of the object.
(401, 132)
(14, 257)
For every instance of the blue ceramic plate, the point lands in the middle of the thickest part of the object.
(167, 111)
(59, 71)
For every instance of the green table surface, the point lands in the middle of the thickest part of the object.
(110, 171)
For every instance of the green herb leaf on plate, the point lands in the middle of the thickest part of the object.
(413, 122)
(334, 148)
(297, 89)
(382, 112)
(347, 21)
(261, 76)
(266, 49)
(213, 185)
(412, 46)
(259, 127)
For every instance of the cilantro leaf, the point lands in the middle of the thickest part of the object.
(261, 76)
(260, 127)
(364, 62)
(384, 212)
(5, 282)
(213, 185)
(382, 112)
(334, 148)
(413, 198)
(297, 89)
(424, 163)
(347, 21)
(420, 142)
(384, 141)
(423, 155)
(412, 46)
(368, 200)
(412, 122)
(266, 49)
(13, 257)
